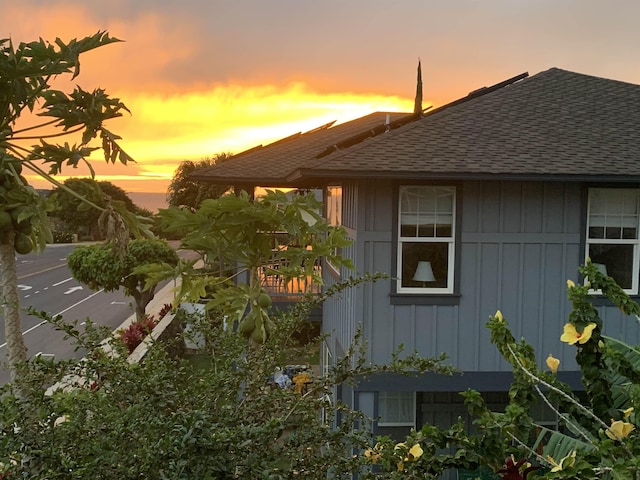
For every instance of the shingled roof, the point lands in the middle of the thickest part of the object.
(557, 125)
(269, 165)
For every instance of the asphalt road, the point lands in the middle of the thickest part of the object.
(46, 283)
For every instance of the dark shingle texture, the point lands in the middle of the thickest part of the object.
(554, 123)
(271, 164)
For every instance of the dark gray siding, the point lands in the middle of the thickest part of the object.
(339, 313)
(520, 242)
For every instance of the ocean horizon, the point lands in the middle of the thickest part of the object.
(152, 201)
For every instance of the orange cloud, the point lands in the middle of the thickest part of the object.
(164, 130)
(178, 112)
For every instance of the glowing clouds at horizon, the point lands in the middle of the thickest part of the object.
(165, 130)
(233, 119)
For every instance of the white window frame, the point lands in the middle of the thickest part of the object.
(635, 242)
(329, 396)
(450, 240)
(396, 397)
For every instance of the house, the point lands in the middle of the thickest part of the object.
(490, 202)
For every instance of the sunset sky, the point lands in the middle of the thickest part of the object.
(207, 76)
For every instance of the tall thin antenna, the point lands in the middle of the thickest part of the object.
(417, 108)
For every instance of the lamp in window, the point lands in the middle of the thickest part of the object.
(424, 273)
(602, 268)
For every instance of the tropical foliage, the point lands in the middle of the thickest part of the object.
(26, 73)
(186, 192)
(101, 266)
(166, 418)
(80, 217)
(242, 241)
(598, 436)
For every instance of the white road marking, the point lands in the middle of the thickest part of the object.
(60, 313)
(73, 289)
(63, 281)
(25, 287)
(46, 355)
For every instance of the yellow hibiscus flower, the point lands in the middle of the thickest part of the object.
(619, 430)
(627, 413)
(553, 363)
(416, 451)
(565, 462)
(571, 284)
(570, 335)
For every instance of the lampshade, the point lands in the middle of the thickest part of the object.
(602, 267)
(424, 273)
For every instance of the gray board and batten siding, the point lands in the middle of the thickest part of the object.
(521, 155)
(519, 242)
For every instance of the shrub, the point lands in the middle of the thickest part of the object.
(133, 335)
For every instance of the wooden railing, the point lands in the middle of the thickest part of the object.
(278, 286)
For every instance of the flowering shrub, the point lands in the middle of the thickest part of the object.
(166, 308)
(133, 335)
(599, 438)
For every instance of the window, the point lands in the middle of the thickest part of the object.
(334, 215)
(426, 233)
(334, 205)
(396, 408)
(612, 234)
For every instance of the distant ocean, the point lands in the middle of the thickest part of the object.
(150, 200)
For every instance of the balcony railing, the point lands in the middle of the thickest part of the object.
(279, 286)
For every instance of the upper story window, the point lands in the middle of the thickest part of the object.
(612, 243)
(426, 239)
(333, 202)
(334, 205)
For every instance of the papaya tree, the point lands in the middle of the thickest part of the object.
(244, 241)
(28, 98)
(100, 266)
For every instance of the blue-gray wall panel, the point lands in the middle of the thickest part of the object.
(520, 241)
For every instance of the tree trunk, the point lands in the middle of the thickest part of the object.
(142, 299)
(16, 348)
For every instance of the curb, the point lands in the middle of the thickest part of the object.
(163, 296)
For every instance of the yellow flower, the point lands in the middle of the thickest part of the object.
(627, 413)
(619, 430)
(553, 363)
(570, 284)
(565, 462)
(498, 316)
(571, 335)
(374, 453)
(416, 451)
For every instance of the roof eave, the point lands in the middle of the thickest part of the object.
(305, 175)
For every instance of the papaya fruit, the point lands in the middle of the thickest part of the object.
(22, 243)
(264, 300)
